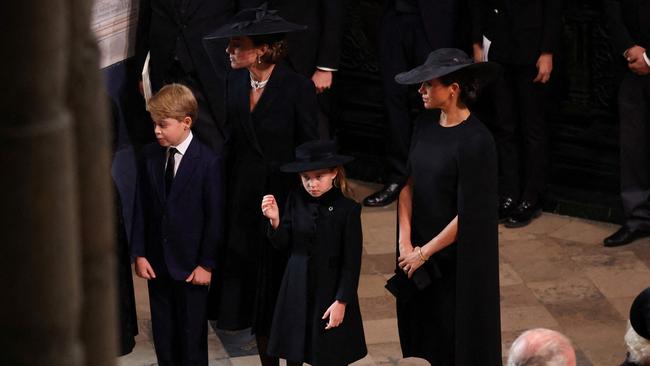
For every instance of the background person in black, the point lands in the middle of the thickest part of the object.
(524, 36)
(629, 26)
(271, 110)
(172, 31)
(448, 220)
(410, 29)
(316, 51)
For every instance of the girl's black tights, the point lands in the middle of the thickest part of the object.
(262, 345)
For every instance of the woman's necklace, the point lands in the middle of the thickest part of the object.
(257, 85)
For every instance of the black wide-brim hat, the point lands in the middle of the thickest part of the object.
(444, 61)
(255, 22)
(640, 314)
(315, 155)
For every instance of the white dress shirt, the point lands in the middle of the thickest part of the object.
(182, 148)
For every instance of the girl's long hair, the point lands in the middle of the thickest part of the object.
(341, 181)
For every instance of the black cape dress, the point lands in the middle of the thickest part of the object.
(456, 319)
(324, 238)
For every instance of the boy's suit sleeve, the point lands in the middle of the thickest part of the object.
(351, 266)
(214, 213)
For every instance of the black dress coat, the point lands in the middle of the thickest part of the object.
(520, 30)
(456, 319)
(324, 238)
(169, 34)
(259, 142)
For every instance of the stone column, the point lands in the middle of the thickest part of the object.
(88, 105)
(39, 246)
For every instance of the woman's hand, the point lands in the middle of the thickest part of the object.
(336, 313)
(270, 210)
(410, 262)
(405, 248)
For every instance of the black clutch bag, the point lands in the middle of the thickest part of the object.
(404, 288)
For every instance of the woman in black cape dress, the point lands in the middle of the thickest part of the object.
(448, 222)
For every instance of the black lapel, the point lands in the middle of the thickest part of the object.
(243, 105)
(186, 169)
(157, 173)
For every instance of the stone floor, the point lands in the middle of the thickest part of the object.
(554, 274)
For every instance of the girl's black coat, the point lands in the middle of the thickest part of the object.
(324, 238)
(258, 143)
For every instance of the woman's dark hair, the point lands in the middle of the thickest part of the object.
(277, 47)
(469, 85)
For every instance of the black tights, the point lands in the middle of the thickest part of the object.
(262, 345)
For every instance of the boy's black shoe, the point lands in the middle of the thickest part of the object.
(523, 215)
(623, 236)
(506, 208)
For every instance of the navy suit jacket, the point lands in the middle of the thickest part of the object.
(179, 232)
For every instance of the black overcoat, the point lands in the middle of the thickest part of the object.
(454, 172)
(258, 143)
(520, 30)
(324, 238)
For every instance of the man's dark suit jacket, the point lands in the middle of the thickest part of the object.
(628, 22)
(320, 44)
(166, 33)
(181, 231)
(520, 30)
(440, 19)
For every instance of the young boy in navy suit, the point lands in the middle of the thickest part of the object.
(178, 227)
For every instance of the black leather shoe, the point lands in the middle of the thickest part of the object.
(506, 208)
(523, 215)
(623, 236)
(384, 197)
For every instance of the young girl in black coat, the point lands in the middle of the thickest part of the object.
(317, 318)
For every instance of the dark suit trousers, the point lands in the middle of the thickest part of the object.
(521, 133)
(403, 46)
(178, 321)
(634, 112)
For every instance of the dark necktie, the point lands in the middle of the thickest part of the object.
(169, 170)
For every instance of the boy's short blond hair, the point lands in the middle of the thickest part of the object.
(173, 101)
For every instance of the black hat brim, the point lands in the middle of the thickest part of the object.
(484, 72)
(259, 29)
(299, 167)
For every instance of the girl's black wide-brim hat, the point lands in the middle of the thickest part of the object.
(255, 22)
(444, 61)
(315, 155)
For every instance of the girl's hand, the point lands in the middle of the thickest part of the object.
(336, 313)
(143, 269)
(270, 210)
(410, 262)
